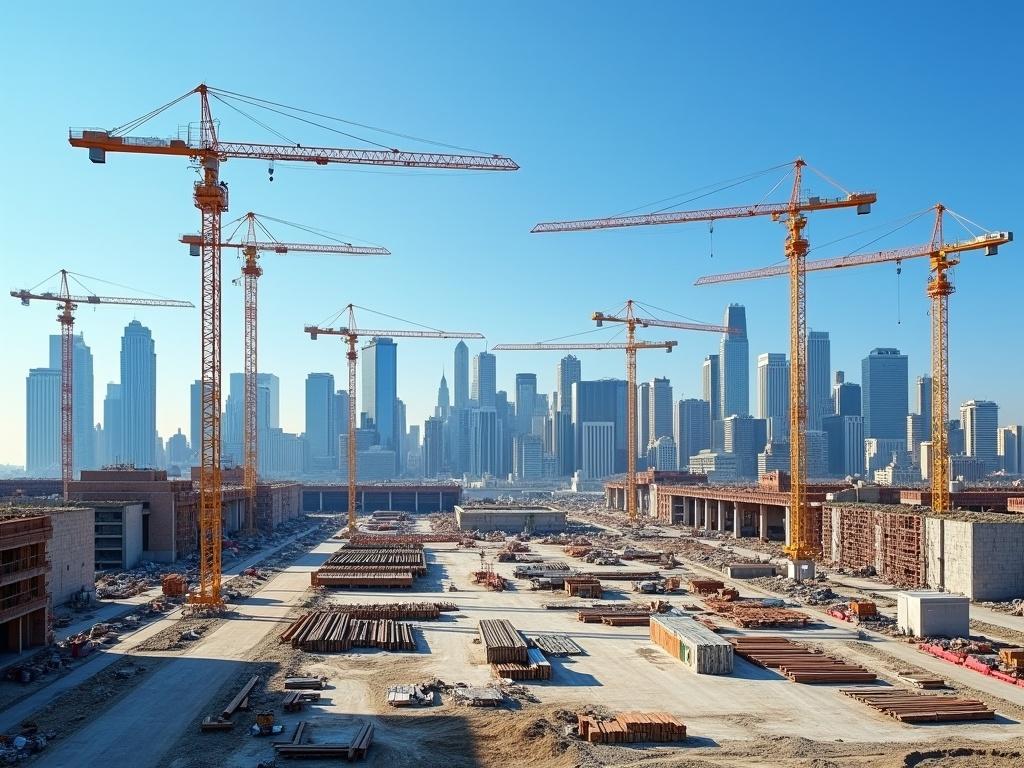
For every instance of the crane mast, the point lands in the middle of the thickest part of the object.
(210, 196)
(350, 335)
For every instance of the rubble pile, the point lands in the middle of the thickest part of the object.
(809, 591)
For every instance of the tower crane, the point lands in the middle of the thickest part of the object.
(801, 546)
(68, 304)
(941, 257)
(210, 196)
(351, 334)
(251, 246)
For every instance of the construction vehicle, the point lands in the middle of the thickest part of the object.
(68, 304)
(351, 334)
(207, 151)
(251, 247)
(801, 546)
(938, 289)
(631, 321)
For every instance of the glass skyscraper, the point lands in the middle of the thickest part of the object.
(380, 390)
(734, 361)
(885, 394)
(138, 396)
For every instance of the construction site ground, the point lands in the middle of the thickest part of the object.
(753, 717)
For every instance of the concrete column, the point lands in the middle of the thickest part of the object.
(705, 520)
(440, 501)
(391, 504)
(321, 495)
(416, 501)
(737, 524)
(785, 517)
(721, 515)
(762, 522)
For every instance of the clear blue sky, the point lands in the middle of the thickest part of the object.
(605, 106)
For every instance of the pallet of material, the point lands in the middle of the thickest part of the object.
(406, 695)
(536, 668)
(557, 645)
(922, 679)
(479, 696)
(385, 634)
(625, 620)
(372, 580)
(748, 615)
(583, 586)
(502, 642)
(623, 575)
(706, 586)
(631, 728)
(319, 632)
(693, 644)
(304, 683)
(597, 615)
(529, 570)
(798, 663)
(910, 707)
(354, 750)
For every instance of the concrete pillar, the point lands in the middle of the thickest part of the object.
(416, 501)
(762, 522)
(705, 520)
(321, 495)
(785, 517)
(721, 515)
(440, 501)
(391, 504)
(737, 524)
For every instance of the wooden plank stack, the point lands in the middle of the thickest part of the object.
(402, 539)
(631, 728)
(910, 707)
(537, 668)
(557, 645)
(615, 615)
(694, 644)
(755, 616)
(583, 586)
(372, 565)
(798, 663)
(502, 642)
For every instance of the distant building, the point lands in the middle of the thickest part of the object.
(527, 457)
(979, 420)
(894, 474)
(532, 520)
(845, 437)
(321, 424)
(662, 454)
(885, 393)
(443, 403)
(1010, 447)
(744, 437)
(970, 469)
(42, 423)
(816, 444)
(691, 429)
(598, 449)
(734, 354)
(879, 452)
(846, 397)
(819, 363)
(773, 394)
(660, 422)
(719, 467)
(380, 390)
(643, 419)
(526, 402)
(485, 439)
(461, 381)
(774, 458)
(272, 384)
(923, 387)
(82, 418)
(915, 435)
(484, 380)
(138, 395)
(712, 387)
(601, 401)
(178, 453)
(195, 420)
(567, 374)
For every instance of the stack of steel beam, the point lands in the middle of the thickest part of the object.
(798, 663)
(502, 642)
(910, 707)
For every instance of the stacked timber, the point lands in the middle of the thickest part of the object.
(372, 565)
(394, 611)
(583, 586)
(536, 667)
(798, 663)
(694, 644)
(752, 615)
(615, 615)
(557, 645)
(910, 707)
(631, 728)
(335, 632)
(502, 642)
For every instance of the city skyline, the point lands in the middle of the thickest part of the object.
(448, 221)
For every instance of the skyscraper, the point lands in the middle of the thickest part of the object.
(692, 429)
(485, 439)
(819, 363)
(340, 422)
(484, 380)
(979, 420)
(195, 417)
(597, 441)
(567, 374)
(745, 437)
(273, 386)
(433, 446)
(113, 414)
(600, 401)
(845, 397)
(711, 380)
(138, 395)
(443, 403)
(885, 394)
(82, 417)
(773, 393)
(643, 420)
(923, 385)
(233, 424)
(380, 389)
(1010, 446)
(845, 438)
(320, 420)
(660, 410)
(42, 423)
(461, 375)
(734, 356)
(526, 402)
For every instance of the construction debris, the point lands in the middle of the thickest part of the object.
(798, 663)
(294, 701)
(305, 683)
(478, 697)
(631, 728)
(921, 679)
(706, 586)
(583, 586)
(752, 614)
(920, 707)
(408, 695)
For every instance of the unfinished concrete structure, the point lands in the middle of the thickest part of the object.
(71, 552)
(24, 568)
(511, 519)
(118, 534)
(398, 497)
(976, 554)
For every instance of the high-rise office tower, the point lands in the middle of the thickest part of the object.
(273, 386)
(380, 389)
(484, 380)
(885, 394)
(661, 454)
(845, 397)
(113, 413)
(507, 421)
(915, 436)
(1010, 447)
(485, 439)
(661, 409)
(600, 401)
(400, 430)
(956, 442)
(340, 423)
(845, 438)
(233, 425)
(734, 361)
(195, 417)
(597, 441)
(82, 415)
(433, 446)
(711, 380)
(443, 403)
(42, 423)
(177, 450)
(461, 382)
(567, 374)
(773, 393)
(526, 402)
(923, 385)
(692, 429)
(643, 420)
(320, 420)
(527, 457)
(819, 392)
(979, 420)
(138, 395)
(745, 437)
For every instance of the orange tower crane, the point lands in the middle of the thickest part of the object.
(251, 246)
(210, 195)
(801, 545)
(938, 289)
(351, 334)
(68, 304)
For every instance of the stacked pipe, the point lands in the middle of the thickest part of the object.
(395, 611)
(502, 642)
(335, 632)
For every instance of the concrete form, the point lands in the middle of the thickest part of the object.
(970, 553)
(532, 520)
(933, 614)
